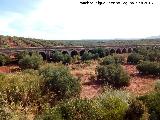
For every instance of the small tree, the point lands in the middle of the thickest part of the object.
(60, 81)
(147, 67)
(113, 74)
(60, 57)
(134, 58)
(87, 56)
(3, 59)
(31, 62)
(108, 60)
(57, 56)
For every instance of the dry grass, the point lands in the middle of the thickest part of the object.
(86, 73)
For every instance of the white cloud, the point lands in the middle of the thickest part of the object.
(68, 19)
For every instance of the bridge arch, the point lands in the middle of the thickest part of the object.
(43, 54)
(65, 52)
(74, 53)
(81, 52)
(118, 51)
(91, 51)
(135, 49)
(112, 51)
(106, 52)
(130, 50)
(124, 50)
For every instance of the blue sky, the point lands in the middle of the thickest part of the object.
(68, 19)
(20, 6)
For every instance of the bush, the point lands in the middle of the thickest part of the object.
(87, 56)
(147, 67)
(152, 102)
(60, 57)
(99, 51)
(135, 111)
(113, 74)
(57, 56)
(115, 59)
(157, 86)
(106, 107)
(31, 62)
(67, 59)
(3, 60)
(59, 80)
(20, 88)
(20, 55)
(108, 60)
(134, 58)
(119, 59)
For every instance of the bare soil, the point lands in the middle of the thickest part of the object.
(87, 74)
(8, 69)
(139, 84)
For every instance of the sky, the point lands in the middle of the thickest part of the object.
(71, 20)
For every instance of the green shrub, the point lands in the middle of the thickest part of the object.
(119, 59)
(108, 60)
(113, 74)
(60, 57)
(106, 107)
(57, 56)
(59, 80)
(157, 86)
(3, 60)
(135, 111)
(20, 55)
(99, 51)
(20, 88)
(147, 67)
(152, 102)
(31, 62)
(76, 59)
(134, 58)
(87, 56)
(67, 59)
(115, 59)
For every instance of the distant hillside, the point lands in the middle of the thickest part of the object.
(13, 42)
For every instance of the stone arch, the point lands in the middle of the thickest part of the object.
(51, 54)
(82, 52)
(112, 51)
(106, 52)
(65, 52)
(73, 53)
(43, 54)
(91, 51)
(130, 50)
(135, 49)
(118, 51)
(124, 50)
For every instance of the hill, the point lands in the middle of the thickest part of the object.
(13, 42)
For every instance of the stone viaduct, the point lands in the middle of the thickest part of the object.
(46, 52)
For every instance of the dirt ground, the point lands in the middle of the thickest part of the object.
(8, 69)
(87, 73)
(139, 84)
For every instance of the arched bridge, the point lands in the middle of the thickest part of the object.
(46, 52)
